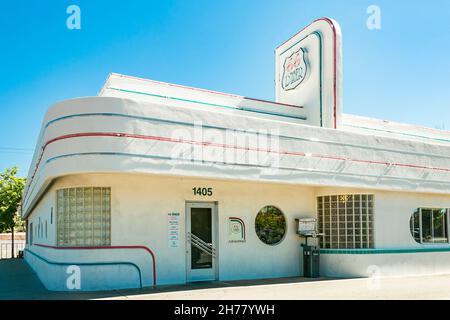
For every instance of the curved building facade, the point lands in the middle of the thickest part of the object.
(153, 183)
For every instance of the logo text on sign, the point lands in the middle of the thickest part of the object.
(294, 70)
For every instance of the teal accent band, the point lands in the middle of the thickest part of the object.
(383, 251)
(87, 264)
(106, 114)
(243, 108)
(171, 98)
(190, 124)
(396, 132)
(158, 157)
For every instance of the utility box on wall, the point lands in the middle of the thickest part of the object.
(306, 227)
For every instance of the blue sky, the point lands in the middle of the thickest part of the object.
(400, 73)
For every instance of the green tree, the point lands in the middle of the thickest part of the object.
(11, 191)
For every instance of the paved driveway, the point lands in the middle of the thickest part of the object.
(17, 281)
(404, 288)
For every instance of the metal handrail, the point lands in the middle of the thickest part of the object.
(205, 247)
(152, 254)
(106, 263)
(198, 239)
(209, 252)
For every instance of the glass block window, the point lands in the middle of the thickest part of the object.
(84, 216)
(346, 221)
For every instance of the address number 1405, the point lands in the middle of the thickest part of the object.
(202, 191)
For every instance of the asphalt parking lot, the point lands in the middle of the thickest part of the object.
(406, 288)
(18, 281)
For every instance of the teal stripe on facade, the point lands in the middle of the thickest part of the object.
(106, 114)
(189, 124)
(243, 108)
(383, 251)
(158, 157)
(87, 263)
(396, 132)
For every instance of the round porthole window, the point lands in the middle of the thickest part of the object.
(270, 225)
(430, 225)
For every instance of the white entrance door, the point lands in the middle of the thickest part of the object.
(201, 235)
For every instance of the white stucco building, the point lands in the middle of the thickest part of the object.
(153, 183)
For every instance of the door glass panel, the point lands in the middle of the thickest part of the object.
(201, 226)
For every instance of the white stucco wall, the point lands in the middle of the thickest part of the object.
(120, 135)
(140, 204)
(98, 270)
(396, 253)
(43, 214)
(384, 128)
(385, 264)
(392, 213)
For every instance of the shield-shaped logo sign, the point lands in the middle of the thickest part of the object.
(294, 70)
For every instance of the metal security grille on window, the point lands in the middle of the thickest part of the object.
(346, 221)
(84, 216)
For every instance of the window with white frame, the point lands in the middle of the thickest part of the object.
(430, 225)
(346, 221)
(83, 216)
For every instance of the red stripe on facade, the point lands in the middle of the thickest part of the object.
(211, 144)
(108, 247)
(221, 145)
